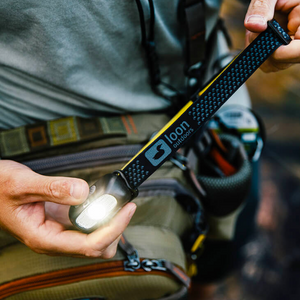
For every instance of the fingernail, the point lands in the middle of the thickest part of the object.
(132, 211)
(256, 19)
(77, 191)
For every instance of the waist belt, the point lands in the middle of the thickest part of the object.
(21, 142)
(59, 132)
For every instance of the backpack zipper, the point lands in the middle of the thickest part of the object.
(84, 159)
(102, 157)
(76, 274)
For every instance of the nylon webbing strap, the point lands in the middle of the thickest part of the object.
(60, 132)
(196, 113)
(195, 31)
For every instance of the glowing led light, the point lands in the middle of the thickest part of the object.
(101, 207)
(97, 211)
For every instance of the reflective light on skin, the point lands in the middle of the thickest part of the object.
(97, 211)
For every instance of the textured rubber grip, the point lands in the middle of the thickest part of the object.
(196, 113)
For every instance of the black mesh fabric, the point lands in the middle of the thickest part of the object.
(225, 195)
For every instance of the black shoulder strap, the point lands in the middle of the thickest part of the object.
(161, 88)
(192, 15)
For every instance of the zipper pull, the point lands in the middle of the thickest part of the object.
(153, 264)
(133, 262)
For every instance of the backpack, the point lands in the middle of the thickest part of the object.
(153, 239)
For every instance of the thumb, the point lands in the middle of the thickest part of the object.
(259, 12)
(61, 190)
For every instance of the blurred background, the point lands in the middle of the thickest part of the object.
(270, 261)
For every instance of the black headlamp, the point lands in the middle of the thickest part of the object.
(111, 192)
(107, 196)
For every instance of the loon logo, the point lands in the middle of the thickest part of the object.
(179, 135)
(173, 136)
(158, 152)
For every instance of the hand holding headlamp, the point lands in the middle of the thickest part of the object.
(107, 196)
(111, 192)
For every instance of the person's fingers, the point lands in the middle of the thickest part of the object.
(288, 54)
(250, 36)
(113, 229)
(269, 67)
(286, 6)
(111, 250)
(297, 34)
(52, 239)
(294, 20)
(20, 183)
(59, 213)
(75, 243)
(282, 58)
(32, 187)
(259, 12)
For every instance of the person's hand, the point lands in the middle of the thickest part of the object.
(23, 194)
(287, 13)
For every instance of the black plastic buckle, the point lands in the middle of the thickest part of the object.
(204, 143)
(179, 161)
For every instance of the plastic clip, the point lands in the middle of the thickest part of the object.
(180, 161)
